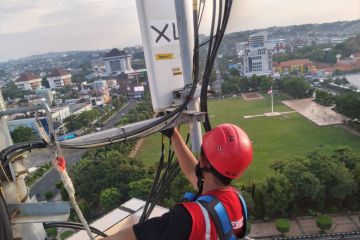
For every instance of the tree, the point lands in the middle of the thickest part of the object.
(324, 98)
(140, 188)
(323, 222)
(275, 195)
(84, 119)
(282, 225)
(11, 91)
(305, 183)
(110, 198)
(349, 105)
(22, 134)
(336, 179)
(296, 87)
(91, 177)
(71, 123)
(48, 195)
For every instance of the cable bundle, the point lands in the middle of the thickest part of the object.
(223, 14)
(164, 175)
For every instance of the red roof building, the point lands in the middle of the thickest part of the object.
(28, 81)
(299, 65)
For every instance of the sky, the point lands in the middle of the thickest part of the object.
(30, 27)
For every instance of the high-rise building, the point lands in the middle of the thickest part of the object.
(117, 62)
(256, 56)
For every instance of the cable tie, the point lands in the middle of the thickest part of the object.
(123, 129)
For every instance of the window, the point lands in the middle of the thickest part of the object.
(115, 65)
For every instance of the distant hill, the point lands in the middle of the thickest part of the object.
(305, 32)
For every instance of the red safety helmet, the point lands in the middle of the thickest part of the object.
(228, 149)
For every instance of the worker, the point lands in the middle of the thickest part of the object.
(216, 211)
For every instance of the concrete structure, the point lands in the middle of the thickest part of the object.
(28, 81)
(256, 56)
(79, 108)
(59, 114)
(117, 62)
(5, 139)
(124, 216)
(59, 78)
(47, 94)
(27, 122)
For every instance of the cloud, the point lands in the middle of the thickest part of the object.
(88, 32)
(39, 26)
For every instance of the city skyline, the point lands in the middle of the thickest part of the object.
(43, 26)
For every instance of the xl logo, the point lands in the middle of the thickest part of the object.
(163, 32)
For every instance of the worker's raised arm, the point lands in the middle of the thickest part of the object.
(185, 157)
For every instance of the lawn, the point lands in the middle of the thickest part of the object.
(273, 138)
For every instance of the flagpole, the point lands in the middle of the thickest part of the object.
(272, 101)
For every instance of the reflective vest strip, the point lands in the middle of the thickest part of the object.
(207, 221)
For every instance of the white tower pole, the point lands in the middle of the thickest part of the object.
(272, 101)
(184, 18)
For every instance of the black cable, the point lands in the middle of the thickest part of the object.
(207, 64)
(210, 61)
(163, 184)
(7, 154)
(156, 179)
(28, 146)
(5, 225)
(74, 225)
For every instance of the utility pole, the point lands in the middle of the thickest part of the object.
(184, 17)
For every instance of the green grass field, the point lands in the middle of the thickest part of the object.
(273, 138)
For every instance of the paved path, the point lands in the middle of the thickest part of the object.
(318, 114)
(47, 182)
(306, 226)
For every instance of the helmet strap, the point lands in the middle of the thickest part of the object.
(200, 179)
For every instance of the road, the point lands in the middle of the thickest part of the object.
(47, 182)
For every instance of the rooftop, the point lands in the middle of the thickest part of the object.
(27, 77)
(59, 72)
(115, 53)
(295, 62)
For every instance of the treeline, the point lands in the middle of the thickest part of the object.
(82, 120)
(316, 52)
(316, 183)
(296, 87)
(142, 111)
(234, 83)
(107, 177)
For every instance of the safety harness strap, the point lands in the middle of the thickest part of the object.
(219, 215)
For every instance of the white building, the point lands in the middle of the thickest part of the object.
(28, 81)
(59, 114)
(101, 88)
(58, 78)
(117, 62)
(256, 56)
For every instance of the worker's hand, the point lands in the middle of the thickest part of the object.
(168, 132)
